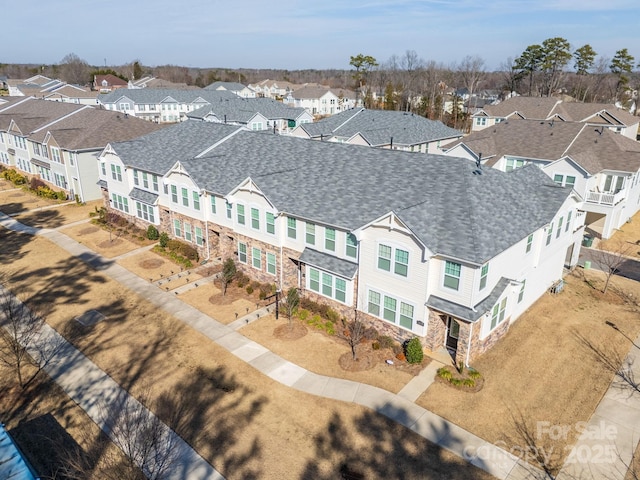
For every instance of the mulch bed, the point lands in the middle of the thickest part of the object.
(109, 243)
(364, 361)
(151, 263)
(479, 382)
(293, 332)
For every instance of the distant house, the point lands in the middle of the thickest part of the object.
(420, 246)
(107, 83)
(233, 87)
(58, 142)
(321, 100)
(550, 108)
(601, 166)
(172, 106)
(277, 89)
(382, 129)
(72, 94)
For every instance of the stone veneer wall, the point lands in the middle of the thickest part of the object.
(478, 346)
(436, 331)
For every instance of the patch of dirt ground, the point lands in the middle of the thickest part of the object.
(546, 369)
(237, 418)
(321, 353)
(626, 238)
(99, 240)
(54, 217)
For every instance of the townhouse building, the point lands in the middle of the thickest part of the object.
(426, 246)
(59, 142)
(607, 116)
(603, 167)
(381, 129)
(319, 100)
(221, 106)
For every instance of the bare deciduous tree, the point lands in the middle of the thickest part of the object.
(353, 333)
(20, 332)
(290, 303)
(610, 260)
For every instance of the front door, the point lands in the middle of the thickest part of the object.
(453, 331)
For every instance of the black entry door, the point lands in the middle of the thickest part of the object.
(453, 331)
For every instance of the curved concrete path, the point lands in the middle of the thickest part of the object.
(404, 411)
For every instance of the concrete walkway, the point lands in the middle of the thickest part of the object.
(399, 408)
(606, 447)
(101, 397)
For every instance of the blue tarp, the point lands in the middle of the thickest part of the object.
(12, 465)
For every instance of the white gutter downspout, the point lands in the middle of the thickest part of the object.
(466, 361)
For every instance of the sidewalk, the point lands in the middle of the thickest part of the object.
(399, 408)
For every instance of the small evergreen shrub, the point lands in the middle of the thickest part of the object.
(413, 351)
(445, 374)
(164, 239)
(303, 314)
(249, 289)
(152, 233)
(375, 345)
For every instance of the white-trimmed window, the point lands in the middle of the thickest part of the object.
(549, 233)
(120, 203)
(521, 292)
(213, 204)
(255, 218)
(513, 163)
(256, 258)
(174, 194)
(452, 271)
(136, 180)
(559, 229)
(400, 259)
(330, 239)
(229, 215)
(199, 236)
(242, 252)
(481, 121)
(310, 234)
(291, 228)
(187, 232)
(566, 228)
(145, 212)
(328, 285)
(564, 180)
(103, 168)
(497, 314)
(352, 246)
(391, 309)
(116, 172)
(529, 243)
(185, 196)
(240, 214)
(145, 180)
(177, 228)
(196, 200)
(271, 223)
(154, 180)
(484, 272)
(271, 263)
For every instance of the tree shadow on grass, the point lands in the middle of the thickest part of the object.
(373, 446)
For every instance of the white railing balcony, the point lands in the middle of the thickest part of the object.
(605, 198)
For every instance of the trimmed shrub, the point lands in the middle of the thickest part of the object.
(164, 239)
(375, 345)
(152, 233)
(413, 350)
(249, 289)
(303, 314)
(444, 373)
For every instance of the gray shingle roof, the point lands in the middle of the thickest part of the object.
(329, 263)
(242, 110)
(157, 152)
(453, 211)
(143, 196)
(231, 86)
(465, 313)
(157, 95)
(594, 149)
(379, 126)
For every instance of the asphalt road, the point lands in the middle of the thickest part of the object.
(628, 268)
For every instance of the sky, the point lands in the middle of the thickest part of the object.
(307, 34)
